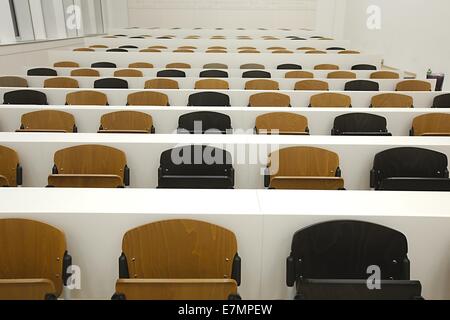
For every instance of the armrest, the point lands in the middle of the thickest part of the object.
(84, 181)
(307, 183)
(27, 289)
(176, 289)
(290, 271)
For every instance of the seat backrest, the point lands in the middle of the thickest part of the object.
(384, 75)
(171, 74)
(349, 52)
(111, 83)
(442, 101)
(303, 162)
(83, 50)
(32, 250)
(9, 162)
(11, 81)
(126, 120)
(217, 48)
(90, 159)
(150, 50)
(66, 64)
(211, 99)
(128, 47)
(330, 100)
(410, 162)
(25, 97)
(392, 100)
(306, 48)
(335, 49)
(413, 85)
(61, 82)
(128, 73)
(270, 99)
(148, 98)
(262, 84)
(299, 75)
(215, 66)
(362, 85)
(341, 75)
(161, 84)
(256, 74)
(314, 85)
(283, 51)
(212, 84)
(85, 73)
(431, 123)
(117, 50)
(180, 249)
(86, 98)
(158, 47)
(103, 65)
(281, 121)
(345, 249)
(45, 72)
(249, 51)
(178, 65)
(199, 122)
(213, 74)
(216, 51)
(326, 67)
(48, 120)
(252, 66)
(359, 122)
(99, 46)
(289, 66)
(141, 65)
(364, 67)
(315, 52)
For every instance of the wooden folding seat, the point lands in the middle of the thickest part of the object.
(61, 82)
(48, 121)
(216, 51)
(66, 64)
(178, 65)
(304, 168)
(384, 75)
(188, 47)
(330, 100)
(10, 170)
(13, 82)
(86, 98)
(215, 66)
(84, 50)
(151, 50)
(315, 52)
(299, 75)
(276, 48)
(246, 48)
(311, 85)
(183, 51)
(217, 48)
(85, 73)
(413, 85)
(341, 75)
(140, 65)
(148, 98)
(282, 51)
(99, 46)
(128, 73)
(252, 66)
(89, 166)
(392, 100)
(158, 47)
(34, 260)
(214, 84)
(126, 122)
(282, 123)
(249, 51)
(326, 67)
(262, 84)
(431, 124)
(270, 99)
(349, 52)
(306, 49)
(161, 83)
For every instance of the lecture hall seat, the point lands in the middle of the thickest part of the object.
(10, 169)
(360, 124)
(13, 82)
(204, 122)
(48, 121)
(126, 122)
(281, 123)
(209, 99)
(270, 99)
(27, 97)
(431, 124)
(148, 98)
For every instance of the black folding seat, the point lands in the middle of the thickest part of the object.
(256, 74)
(137, 37)
(289, 66)
(360, 124)
(410, 169)
(209, 99)
(103, 65)
(336, 49)
(171, 74)
(128, 47)
(44, 72)
(204, 122)
(364, 67)
(117, 50)
(362, 85)
(196, 167)
(111, 83)
(120, 35)
(442, 101)
(25, 97)
(213, 74)
(297, 38)
(341, 253)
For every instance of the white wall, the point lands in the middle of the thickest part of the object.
(413, 36)
(115, 14)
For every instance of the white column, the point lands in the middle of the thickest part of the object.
(37, 18)
(6, 24)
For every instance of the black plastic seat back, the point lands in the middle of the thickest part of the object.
(171, 74)
(25, 97)
(289, 66)
(111, 83)
(117, 50)
(442, 101)
(44, 72)
(362, 85)
(103, 65)
(213, 74)
(209, 99)
(128, 47)
(359, 123)
(345, 249)
(336, 49)
(364, 67)
(256, 74)
(204, 122)
(408, 163)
